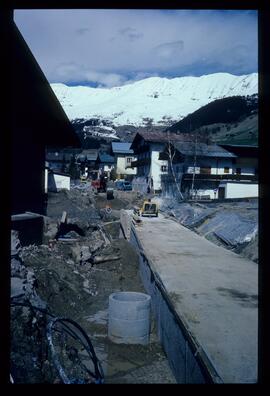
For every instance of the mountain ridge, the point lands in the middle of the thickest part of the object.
(157, 100)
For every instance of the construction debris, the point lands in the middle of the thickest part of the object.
(71, 275)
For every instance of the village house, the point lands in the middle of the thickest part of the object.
(105, 163)
(207, 171)
(124, 156)
(87, 161)
(147, 147)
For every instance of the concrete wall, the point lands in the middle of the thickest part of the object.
(240, 190)
(185, 359)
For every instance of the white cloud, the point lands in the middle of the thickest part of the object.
(109, 46)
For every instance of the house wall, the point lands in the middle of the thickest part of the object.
(27, 173)
(156, 168)
(107, 168)
(121, 163)
(62, 182)
(240, 190)
(142, 181)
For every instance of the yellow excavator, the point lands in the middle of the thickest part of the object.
(148, 208)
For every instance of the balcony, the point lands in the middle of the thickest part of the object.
(140, 162)
(227, 176)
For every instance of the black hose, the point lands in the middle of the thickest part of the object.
(98, 375)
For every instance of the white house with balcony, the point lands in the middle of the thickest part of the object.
(150, 167)
(124, 156)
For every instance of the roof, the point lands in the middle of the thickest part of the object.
(35, 107)
(203, 150)
(58, 156)
(160, 137)
(103, 157)
(122, 148)
(55, 156)
(88, 155)
(156, 137)
(242, 150)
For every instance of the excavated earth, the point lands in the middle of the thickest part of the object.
(73, 279)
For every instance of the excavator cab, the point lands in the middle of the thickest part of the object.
(149, 208)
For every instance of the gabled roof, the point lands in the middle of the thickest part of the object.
(156, 137)
(121, 148)
(202, 150)
(104, 157)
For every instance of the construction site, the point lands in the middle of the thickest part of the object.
(92, 247)
(116, 285)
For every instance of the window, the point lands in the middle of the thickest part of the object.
(163, 168)
(226, 169)
(129, 159)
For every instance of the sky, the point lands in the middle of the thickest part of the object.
(107, 48)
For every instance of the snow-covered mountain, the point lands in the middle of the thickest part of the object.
(161, 99)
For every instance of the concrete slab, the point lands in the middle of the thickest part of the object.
(214, 293)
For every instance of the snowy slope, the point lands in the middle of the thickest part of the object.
(161, 99)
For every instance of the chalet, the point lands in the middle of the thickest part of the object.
(124, 156)
(38, 120)
(147, 146)
(203, 170)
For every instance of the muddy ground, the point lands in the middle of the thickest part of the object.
(73, 279)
